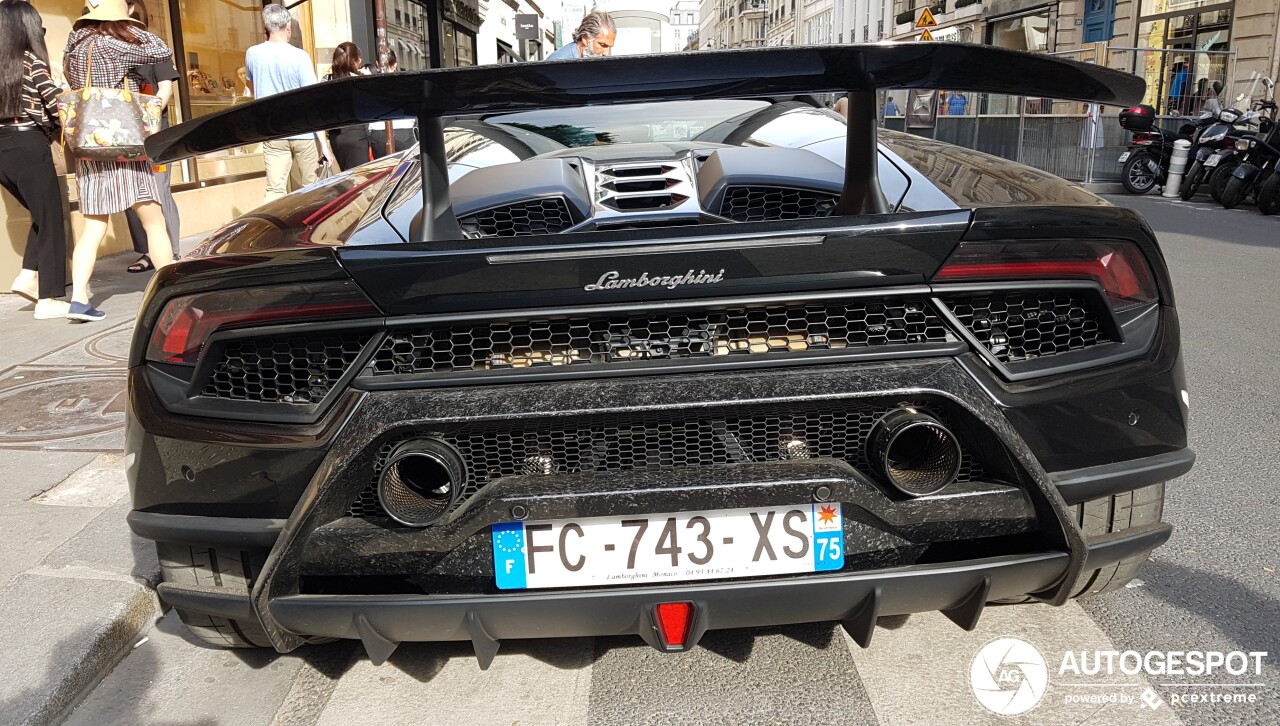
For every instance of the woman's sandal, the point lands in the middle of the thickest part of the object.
(142, 265)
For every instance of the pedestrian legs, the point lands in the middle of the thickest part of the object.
(277, 157)
(27, 172)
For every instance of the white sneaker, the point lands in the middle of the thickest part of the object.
(49, 309)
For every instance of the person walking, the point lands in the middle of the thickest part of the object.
(594, 37)
(350, 144)
(110, 45)
(158, 81)
(272, 67)
(28, 121)
(403, 130)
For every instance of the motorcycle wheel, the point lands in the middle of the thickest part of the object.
(1218, 180)
(1234, 193)
(1136, 176)
(1191, 182)
(1269, 195)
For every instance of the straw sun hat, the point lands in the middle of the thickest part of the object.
(103, 10)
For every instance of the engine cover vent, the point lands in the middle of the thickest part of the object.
(520, 219)
(762, 203)
(643, 186)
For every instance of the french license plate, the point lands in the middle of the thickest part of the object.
(1123, 158)
(644, 548)
(1212, 161)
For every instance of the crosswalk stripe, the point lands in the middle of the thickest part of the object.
(532, 683)
(920, 672)
(799, 674)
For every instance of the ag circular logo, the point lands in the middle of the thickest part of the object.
(1008, 676)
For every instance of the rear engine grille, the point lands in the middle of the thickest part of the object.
(757, 204)
(622, 338)
(295, 369)
(531, 217)
(670, 439)
(1026, 325)
(642, 187)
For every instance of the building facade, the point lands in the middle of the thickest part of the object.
(1181, 47)
(862, 21)
(684, 24)
(817, 22)
(782, 16)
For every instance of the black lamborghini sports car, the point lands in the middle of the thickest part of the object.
(653, 345)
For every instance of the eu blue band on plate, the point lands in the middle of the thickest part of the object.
(509, 555)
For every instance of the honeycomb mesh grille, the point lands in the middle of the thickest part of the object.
(1026, 325)
(666, 440)
(759, 204)
(294, 369)
(625, 338)
(535, 216)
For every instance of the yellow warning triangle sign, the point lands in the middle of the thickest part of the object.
(926, 20)
(926, 35)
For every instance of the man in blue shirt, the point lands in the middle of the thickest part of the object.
(276, 66)
(594, 37)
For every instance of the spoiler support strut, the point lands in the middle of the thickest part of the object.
(862, 193)
(438, 219)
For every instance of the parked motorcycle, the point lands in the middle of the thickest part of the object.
(1257, 153)
(1211, 146)
(1146, 162)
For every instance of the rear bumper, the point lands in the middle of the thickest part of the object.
(959, 590)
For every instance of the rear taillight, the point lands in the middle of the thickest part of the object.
(1118, 267)
(186, 323)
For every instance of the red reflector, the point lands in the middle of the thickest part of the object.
(673, 622)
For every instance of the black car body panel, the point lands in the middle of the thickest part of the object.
(589, 313)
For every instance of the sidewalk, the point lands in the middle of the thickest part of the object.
(76, 587)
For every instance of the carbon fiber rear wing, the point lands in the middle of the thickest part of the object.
(858, 70)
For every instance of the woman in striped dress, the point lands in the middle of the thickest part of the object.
(115, 45)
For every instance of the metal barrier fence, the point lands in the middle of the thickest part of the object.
(1057, 143)
(1067, 142)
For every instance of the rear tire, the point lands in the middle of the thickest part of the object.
(1191, 182)
(1234, 193)
(1137, 508)
(1219, 178)
(226, 568)
(1135, 175)
(1106, 516)
(1269, 195)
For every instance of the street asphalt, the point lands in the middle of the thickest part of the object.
(1214, 587)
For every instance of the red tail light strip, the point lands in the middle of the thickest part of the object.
(1118, 267)
(187, 322)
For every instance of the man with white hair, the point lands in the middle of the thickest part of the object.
(594, 37)
(276, 66)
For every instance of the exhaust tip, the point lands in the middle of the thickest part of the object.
(915, 452)
(420, 481)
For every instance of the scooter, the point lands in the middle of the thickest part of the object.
(1258, 154)
(1211, 145)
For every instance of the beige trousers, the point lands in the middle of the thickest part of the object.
(286, 160)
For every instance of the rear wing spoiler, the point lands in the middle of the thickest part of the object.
(858, 70)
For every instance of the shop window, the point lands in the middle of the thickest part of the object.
(1027, 32)
(1185, 60)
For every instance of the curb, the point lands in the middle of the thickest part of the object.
(110, 644)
